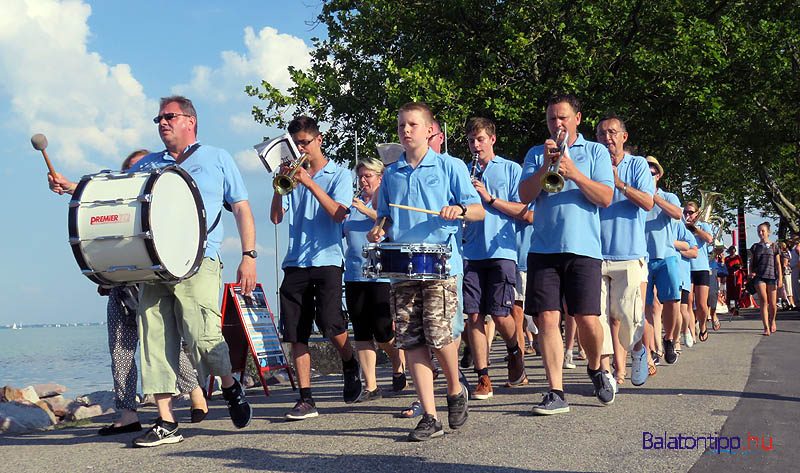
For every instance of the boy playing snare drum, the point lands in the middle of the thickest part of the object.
(423, 309)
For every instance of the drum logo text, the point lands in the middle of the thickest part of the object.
(106, 219)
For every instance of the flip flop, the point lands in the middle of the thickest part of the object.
(651, 369)
(703, 335)
(716, 325)
(415, 410)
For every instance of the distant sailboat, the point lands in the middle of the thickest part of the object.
(14, 326)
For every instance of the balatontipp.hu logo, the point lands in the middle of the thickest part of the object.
(713, 443)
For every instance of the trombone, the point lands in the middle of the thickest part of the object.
(552, 181)
(286, 183)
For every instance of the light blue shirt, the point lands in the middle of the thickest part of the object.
(495, 236)
(701, 262)
(315, 239)
(524, 237)
(217, 178)
(622, 222)
(437, 181)
(682, 234)
(658, 229)
(356, 226)
(567, 222)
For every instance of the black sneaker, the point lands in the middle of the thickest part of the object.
(158, 435)
(670, 355)
(656, 357)
(239, 409)
(466, 358)
(367, 396)
(603, 388)
(352, 384)
(399, 382)
(550, 404)
(457, 409)
(301, 410)
(427, 429)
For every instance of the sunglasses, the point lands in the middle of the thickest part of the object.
(689, 212)
(168, 117)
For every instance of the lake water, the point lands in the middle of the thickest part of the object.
(76, 357)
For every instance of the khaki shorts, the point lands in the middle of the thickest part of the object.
(423, 312)
(621, 299)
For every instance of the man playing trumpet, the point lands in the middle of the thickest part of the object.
(565, 258)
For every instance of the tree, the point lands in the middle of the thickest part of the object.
(708, 88)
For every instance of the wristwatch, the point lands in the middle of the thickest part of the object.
(463, 208)
(492, 201)
(252, 253)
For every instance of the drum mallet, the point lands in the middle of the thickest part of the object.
(417, 209)
(39, 142)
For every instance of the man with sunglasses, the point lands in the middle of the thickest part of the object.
(663, 266)
(190, 309)
(624, 254)
(311, 291)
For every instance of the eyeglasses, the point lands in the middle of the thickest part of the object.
(367, 176)
(689, 212)
(435, 135)
(304, 142)
(653, 172)
(168, 117)
(608, 133)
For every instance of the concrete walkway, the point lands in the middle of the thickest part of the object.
(737, 382)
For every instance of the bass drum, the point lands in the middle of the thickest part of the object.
(127, 228)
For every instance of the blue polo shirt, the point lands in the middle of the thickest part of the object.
(701, 262)
(496, 235)
(217, 178)
(524, 237)
(356, 226)
(658, 229)
(437, 181)
(622, 222)
(683, 234)
(567, 222)
(315, 239)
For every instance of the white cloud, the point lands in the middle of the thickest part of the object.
(91, 111)
(268, 57)
(248, 161)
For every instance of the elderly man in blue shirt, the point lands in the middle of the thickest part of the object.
(190, 309)
(624, 254)
(311, 291)
(565, 256)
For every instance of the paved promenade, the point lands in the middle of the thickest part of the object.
(738, 383)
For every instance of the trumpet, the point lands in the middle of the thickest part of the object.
(553, 181)
(285, 183)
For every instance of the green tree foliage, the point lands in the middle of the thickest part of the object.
(710, 88)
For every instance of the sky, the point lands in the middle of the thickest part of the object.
(88, 74)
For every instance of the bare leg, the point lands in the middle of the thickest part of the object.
(367, 358)
(773, 307)
(550, 344)
(448, 360)
(620, 353)
(476, 328)
(701, 311)
(302, 364)
(421, 368)
(591, 335)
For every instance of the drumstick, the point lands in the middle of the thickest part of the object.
(417, 209)
(39, 142)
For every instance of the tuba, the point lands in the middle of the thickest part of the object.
(553, 181)
(707, 200)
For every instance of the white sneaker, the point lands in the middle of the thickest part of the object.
(611, 380)
(568, 364)
(688, 339)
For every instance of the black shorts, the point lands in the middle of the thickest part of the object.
(701, 278)
(489, 286)
(574, 278)
(368, 307)
(311, 295)
(684, 296)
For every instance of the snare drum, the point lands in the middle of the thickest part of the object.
(416, 261)
(127, 228)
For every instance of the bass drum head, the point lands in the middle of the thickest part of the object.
(175, 220)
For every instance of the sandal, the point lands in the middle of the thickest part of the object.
(703, 335)
(399, 382)
(651, 369)
(415, 410)
(716, 324)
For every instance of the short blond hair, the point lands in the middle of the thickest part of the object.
(371, 164)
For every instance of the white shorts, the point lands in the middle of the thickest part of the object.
(621, 299)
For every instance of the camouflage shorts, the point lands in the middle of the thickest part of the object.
(423, 312)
